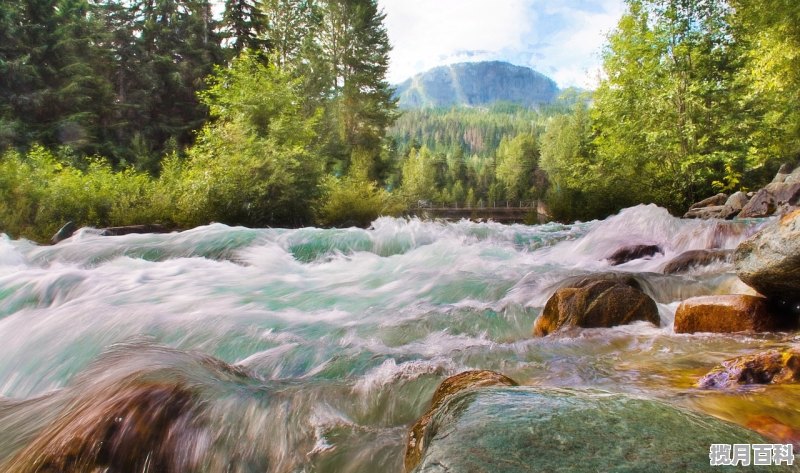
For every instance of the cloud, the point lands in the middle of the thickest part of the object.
(562, 39)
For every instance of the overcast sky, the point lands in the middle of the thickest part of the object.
(559, 38)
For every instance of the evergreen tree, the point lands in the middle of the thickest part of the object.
(244, 25)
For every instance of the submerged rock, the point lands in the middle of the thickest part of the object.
(769, 261)
(692, 258)
(598, 301)
(728, 314)
(420, 434)
(64, 232)
(526, 429)
(633, 252)
(769, 367)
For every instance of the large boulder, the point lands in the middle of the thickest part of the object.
(694, 258)
(535, 429)
(769, 261)
(769, 367)
(419, 435)
(596, 301)
(728, 314)
(775, 196)
(633, 252)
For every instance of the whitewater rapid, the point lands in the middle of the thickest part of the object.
(315, 349)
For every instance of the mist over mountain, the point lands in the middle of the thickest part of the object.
(476, 84)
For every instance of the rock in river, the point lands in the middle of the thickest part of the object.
(597, 301)
(633, 252)
(728, 314)
(769, 261)
(418, 436)
(527, 429)
(769, 367)
(693, 258)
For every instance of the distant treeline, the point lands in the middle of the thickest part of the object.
(275, 112)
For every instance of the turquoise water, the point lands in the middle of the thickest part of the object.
(340, 336)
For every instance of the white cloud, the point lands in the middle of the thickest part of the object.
(561, 39)
(428, 33)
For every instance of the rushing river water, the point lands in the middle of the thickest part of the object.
(333, 340)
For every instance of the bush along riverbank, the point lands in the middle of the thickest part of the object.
(480, 420)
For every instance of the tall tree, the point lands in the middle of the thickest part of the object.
(355, 45)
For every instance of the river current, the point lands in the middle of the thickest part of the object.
(315, 349)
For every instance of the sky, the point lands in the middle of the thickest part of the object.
(562, 39)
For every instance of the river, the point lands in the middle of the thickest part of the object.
(315, 349)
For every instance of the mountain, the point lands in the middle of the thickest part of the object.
(476, 84)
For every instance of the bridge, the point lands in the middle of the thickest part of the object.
(522, 212)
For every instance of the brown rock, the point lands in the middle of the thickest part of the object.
(596, 302)
(630, 253)
(727, 314)
(689, 259)
(770, 367)
(718, 199)
(129, 431)
(420, 433)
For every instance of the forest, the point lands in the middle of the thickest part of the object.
(278, 113)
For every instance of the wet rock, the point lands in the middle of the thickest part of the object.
(129, 431)
(601, 301)
(769, 261)
(633, 252)
(734, 205)
(419, 434)
(728, 314)
(769, 367)
(65, 232)
(534, 429)
(718, 199)
(131, 229)
(694, 258)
